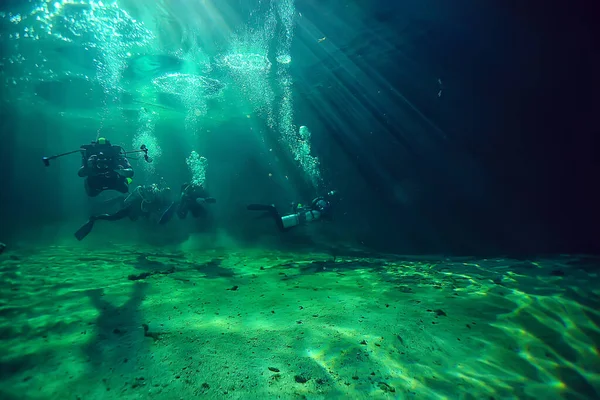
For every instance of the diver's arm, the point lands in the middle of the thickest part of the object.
(125, 172)
(133, 196)
(205, 200)
(124, 168)
(86, 164)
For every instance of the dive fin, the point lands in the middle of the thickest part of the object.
(210, 200)
(84, 230)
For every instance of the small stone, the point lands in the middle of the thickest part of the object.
(364, 342)
(440, 312)
(386, 388)
(273, 369)
(301, 379)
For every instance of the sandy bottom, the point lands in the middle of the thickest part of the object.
(130, 322)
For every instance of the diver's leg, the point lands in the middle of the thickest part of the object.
(270, 211)
(197, 211)
(121, 185)
(122, 213)
(278, 220)
(90, 188)
(168, 214)
(182, 212)
(87, 227)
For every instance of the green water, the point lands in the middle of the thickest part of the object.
(227, 307)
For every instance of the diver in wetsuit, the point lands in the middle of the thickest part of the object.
(144, 201)
(104, 167)
(192, 200)
(319, 209)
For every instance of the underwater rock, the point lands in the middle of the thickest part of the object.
(234, 288)
(301, 379)
(440, 312)
(2, 247)
(273, 369)
(140, 276)
(386, 388)
(145, 275)
(138, 382)
(147, 333)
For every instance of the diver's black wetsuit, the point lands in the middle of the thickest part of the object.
(143, 202)
(192, 200)
(190, 194)
(100, 163)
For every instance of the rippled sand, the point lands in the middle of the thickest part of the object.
(134, 323)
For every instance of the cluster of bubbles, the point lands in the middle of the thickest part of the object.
(85, 23)
(297, 141)
(197, 165)
(145, 135)
(178, 83)
(89, 22)
(114, 35)
(193, 90)
(300, 147)
(248, 64)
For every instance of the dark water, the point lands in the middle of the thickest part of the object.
(495, 158)
(461, 128)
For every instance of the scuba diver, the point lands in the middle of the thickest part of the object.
(144, 201)
(104, 166)
(319, 209)
(193, 198)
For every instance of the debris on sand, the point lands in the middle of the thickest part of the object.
(145, 275)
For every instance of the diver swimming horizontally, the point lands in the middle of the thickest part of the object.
(144, 201)
(192, 200)
(104, 166)
(320, 208)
